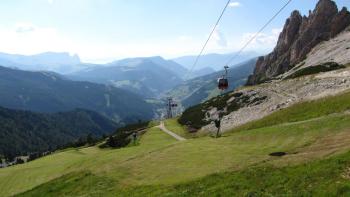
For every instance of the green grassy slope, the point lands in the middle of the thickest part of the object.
(187, 167)
(237, 163)
(104, 162)
(328, 177)
(174, 126)
(312, 179)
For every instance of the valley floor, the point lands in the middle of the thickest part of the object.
(238, 163)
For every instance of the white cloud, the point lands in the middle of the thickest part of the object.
(182, 45)
(24, 27)
(50, 1)
(184, 38)
(234, 4)
(277, 31)
(26, 38)
(218, 40)
(262, 41)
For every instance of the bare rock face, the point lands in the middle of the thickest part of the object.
(299, 36)
(340, 22)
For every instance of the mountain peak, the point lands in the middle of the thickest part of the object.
(324, 6)
(295, 14)
(61, 62)
(299, 36)
(58, 58)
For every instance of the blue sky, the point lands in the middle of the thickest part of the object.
(103, 30)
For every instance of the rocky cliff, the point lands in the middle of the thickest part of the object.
(299, 36)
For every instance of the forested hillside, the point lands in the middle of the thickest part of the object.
(49, 92)
(22, 132)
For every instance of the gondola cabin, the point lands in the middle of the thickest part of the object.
(222, 83)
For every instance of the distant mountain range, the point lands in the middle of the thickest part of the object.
(214, 61)
(148, 77)
(145, 76)
(49, 61)
(64, 63)
(199, 89)
(22, 132)
(50, 92)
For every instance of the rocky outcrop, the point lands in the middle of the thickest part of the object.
(326, 56)
(268, 98)
(299, 36)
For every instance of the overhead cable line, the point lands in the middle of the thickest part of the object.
(257, 34)
(207, 41)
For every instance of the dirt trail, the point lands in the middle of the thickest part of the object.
(163, 128)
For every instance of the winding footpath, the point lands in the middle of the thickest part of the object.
(174, 135)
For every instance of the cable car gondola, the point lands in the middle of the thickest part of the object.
(223, 82)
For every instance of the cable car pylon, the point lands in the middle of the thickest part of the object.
(170, 105)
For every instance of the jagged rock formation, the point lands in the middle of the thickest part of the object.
(299, 36)
(335, 51)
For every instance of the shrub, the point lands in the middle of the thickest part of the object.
(19, 160)
(328, 66)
